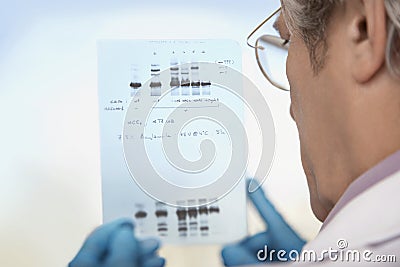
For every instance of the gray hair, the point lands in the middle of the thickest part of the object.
(310, 19)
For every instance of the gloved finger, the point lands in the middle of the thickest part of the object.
(84, 261)
(96, 245)
(153, 262)
(265, 208)
(258, 241)
(148, 247)
(235, 255)
(124, 249)
(278, 228)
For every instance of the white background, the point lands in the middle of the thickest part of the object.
(50, 189)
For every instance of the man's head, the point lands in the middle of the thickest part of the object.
(344, 69)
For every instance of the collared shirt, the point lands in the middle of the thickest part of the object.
(379, 172)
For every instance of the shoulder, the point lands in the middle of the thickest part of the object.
(370, 221)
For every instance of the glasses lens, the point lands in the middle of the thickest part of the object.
(271, 55)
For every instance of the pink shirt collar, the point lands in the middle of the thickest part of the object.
(379, 172)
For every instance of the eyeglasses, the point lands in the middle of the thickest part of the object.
(271, 53)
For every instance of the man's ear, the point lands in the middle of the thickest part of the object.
(368, 35)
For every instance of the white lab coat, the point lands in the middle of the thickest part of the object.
(369, 222)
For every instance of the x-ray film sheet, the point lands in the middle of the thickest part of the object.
(170, 74)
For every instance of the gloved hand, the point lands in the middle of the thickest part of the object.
(278, 236)
(114, 245)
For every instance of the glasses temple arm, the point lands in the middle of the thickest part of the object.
(259, 26)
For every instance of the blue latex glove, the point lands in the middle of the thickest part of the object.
(279, 236)
(114, 245)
